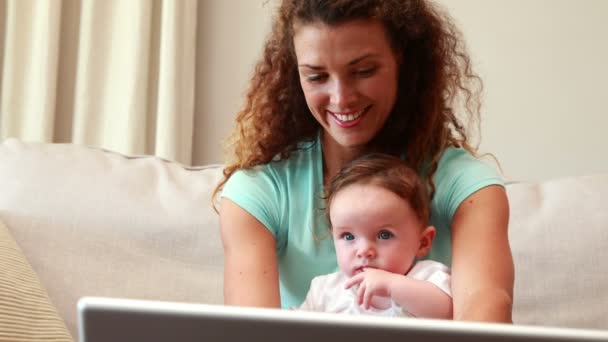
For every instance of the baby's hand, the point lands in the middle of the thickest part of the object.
(372, 282)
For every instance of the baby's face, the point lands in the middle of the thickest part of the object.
(373, 227)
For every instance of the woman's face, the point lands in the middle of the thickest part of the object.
(349, 77)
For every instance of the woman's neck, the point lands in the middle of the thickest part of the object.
(335, 156)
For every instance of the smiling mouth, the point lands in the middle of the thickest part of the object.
(349, 119)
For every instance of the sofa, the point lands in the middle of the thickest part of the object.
(82, 221)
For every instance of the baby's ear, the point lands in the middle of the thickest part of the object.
(426, 241)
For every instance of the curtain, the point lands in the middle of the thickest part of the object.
(117, 74)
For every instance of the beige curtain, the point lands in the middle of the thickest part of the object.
(117, 74)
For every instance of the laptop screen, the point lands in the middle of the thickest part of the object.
(117, 320)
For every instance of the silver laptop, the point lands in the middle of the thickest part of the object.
(117, 320)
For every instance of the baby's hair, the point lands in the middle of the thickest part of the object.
(388, 172)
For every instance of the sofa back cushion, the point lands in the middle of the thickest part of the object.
(559, 235)
(97, 223)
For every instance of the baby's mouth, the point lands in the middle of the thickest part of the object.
(362, 268)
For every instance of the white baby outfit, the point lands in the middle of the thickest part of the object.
(327, 292)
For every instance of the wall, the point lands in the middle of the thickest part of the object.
(230, 36)
(542, 61)
(545, 71)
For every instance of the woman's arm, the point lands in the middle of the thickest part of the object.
(251, 275)
(482, 265)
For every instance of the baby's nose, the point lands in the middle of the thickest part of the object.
(368, 252)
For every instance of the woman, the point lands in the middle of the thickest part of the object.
(339, 79)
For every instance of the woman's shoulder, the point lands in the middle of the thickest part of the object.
(460, 174)
(268, 191)
(302, 159)
(302, 162)
(458, 163)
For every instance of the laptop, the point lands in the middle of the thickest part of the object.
(112, 319)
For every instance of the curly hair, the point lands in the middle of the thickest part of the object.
(387, 172)
(436, 79)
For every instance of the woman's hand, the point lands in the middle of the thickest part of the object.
(482, 265)
(251, 276)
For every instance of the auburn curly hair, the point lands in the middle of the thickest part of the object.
(436, 81)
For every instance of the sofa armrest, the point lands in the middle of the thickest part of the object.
(26, 312)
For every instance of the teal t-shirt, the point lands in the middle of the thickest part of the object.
(286, 197)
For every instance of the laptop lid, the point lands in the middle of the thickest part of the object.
(111, 319)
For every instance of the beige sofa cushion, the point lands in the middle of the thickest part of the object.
(559, 238)
(26, 313)
(95, 223)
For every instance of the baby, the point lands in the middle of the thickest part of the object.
(378, 210)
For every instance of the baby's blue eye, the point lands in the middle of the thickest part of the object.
(348, 236)
(385, 235)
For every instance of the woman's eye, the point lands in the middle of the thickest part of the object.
(348, 236)
(384, 235)
(316, 78)
(366, 72)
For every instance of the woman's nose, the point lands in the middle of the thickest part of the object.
(343, 95)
